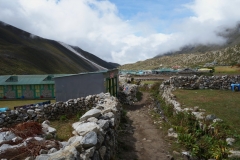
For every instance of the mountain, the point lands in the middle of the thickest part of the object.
(232, 36)
(197, 55)
(24, 53)
(114, 64)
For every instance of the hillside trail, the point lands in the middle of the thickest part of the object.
(142, 139)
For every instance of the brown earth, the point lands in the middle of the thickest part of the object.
(140, 138)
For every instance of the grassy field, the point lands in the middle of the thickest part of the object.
(224, 104)
(226, 70)
(13, 103)
(64, 126)
(148, 82)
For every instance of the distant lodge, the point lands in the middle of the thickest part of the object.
(59, 86)
(165, 71)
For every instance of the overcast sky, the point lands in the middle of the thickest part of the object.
(123, 31)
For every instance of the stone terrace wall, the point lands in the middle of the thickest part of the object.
(94, 134)
(49, 111)
(221, 82)
(204, 82)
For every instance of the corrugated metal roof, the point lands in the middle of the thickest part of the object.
(83, 73)
(29, 79)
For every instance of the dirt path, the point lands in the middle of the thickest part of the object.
(141, 139)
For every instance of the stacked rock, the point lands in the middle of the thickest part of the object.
(204, 82)
(94, 134)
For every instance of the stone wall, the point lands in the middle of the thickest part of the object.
(28, 93)
(49, 111)
(127, 93)
(194, 82)
(94, 133)
(204, 82)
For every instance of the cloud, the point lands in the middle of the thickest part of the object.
(99, 28)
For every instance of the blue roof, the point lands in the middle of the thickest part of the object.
(28, 79)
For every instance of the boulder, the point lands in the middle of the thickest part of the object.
(234, 154)
(104, 124)
(92, 119)
(89, 140)
(88, 153)
(171, 133)
(52, 150)
(84, 128)
(210, 117)
(6, 136)
(102, 151)
(230, 141)
(91, 113)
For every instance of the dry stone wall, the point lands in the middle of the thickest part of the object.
(194, 82)
(49, 111)
(127, 92)
(94, 134)
(204, 82)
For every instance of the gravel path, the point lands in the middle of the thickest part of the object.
(141, 139)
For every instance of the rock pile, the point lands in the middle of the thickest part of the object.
(204, 82)
(128, 93)
(28, 138)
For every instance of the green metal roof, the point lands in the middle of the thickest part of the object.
(28, 79)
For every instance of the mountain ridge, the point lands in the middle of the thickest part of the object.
(196, 55)
(24, 53)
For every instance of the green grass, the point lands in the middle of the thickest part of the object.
(64, 127)
(226, 70)
(225, 104)
(203, 143)
(139, 95)
(13, 103)
(148, 82)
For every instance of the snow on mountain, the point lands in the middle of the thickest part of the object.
(80, 55)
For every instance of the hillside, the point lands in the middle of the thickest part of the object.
(198, 55)
(227, 56)
(24, 53)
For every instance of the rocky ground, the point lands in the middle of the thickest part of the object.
(140, 138)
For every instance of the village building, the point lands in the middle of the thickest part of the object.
(84, 84)
(27, 86)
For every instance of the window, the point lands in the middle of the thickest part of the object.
(37, 87)
(1, 91)
(37, 93)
